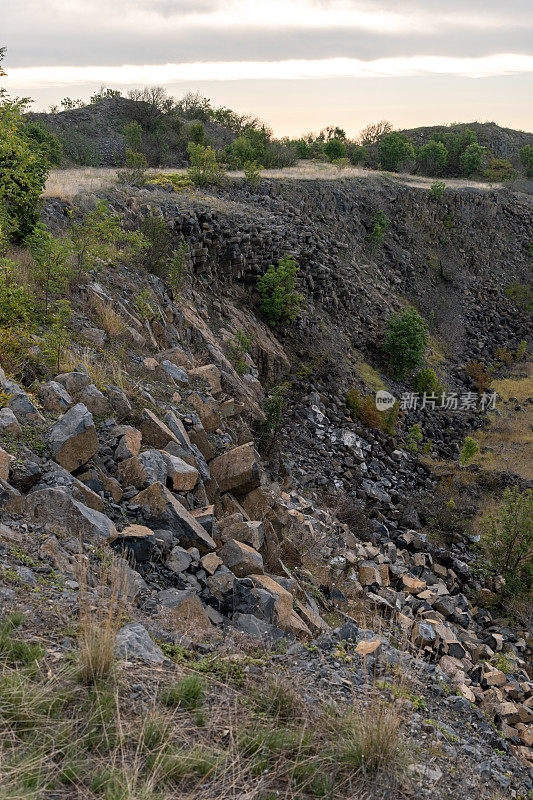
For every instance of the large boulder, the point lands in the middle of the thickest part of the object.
(133, 641)
(241, 559)
(9, 423)
(129, 442)
(73, 438)
(154, 432)
(137, 541)
(56, 508)
(54, 397)
(237, 470)
(162, 510)
(4, 464)
(74, 382)
(95, 401)
(182, 477)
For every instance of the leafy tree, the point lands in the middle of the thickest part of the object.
(94, 237)
(508, 538)
(432, 158)
(357, 153)
(136, 164)
(405, 342)
(414, 437)
(133, 133)
(197, 133)
(472, 159)
(393, 150)
(252, 172)
(437, 190)
(280, 302)
(104, 93)
(53, 266)
(204, 167)
(374, 132)
(468, 451)
(426, 381)
(46, 142)
(526, 157)
(335, 148)
(377, 234)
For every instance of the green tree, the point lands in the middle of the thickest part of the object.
(204, 166)
(393, 150)
(405, 342)
(526, 157)
(508, 539)
(133, 134)
(280, 302)
(468, 451)
(52, 263)
(377, 234)
(357, 153)
(46, 142)
(335, 148)
(472, 159)
(94, 237)
(432, 158)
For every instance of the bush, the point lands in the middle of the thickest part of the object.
(197, 133)
(526, 157)
(427, 381)
(499, 171)
(23, 172)
(252, 172)
(394, 149)
(405, 342)
(414, 437)
(472, 159)
(52, 264)
(204, 167)
(133, 133)
(136, 164)
(46, 143)
(273, 406)
(432, 158)
(479, 374)
(17, 303)
(335, 148)
(357, 154)
(521, 294)
(239, 347)
(280, 302)
(188, 693)
(363, 409)
(377, 234)
(468, 451)
(508, 539)
(437, 190)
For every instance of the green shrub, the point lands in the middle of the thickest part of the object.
(135, 167)
(52, 264)
(521, 294)
(377, 234)
(204, 167)
(394, 149)
(273, 406)
(521, 351)
(414, 437)
(357, 154)
(280, 302)
(95, 237)
(427, 381)
(46, 142)
(363, 409)
(188, 693)
(17, 303)
(133, 134)
(468, 451)
(239, 347)
(526, 157)
(335, 148)
(499, 171)
(23, 172)
(252, 172)
(472, 159)
(432, 157)
(508, 539)
(405, 342)
(197, 133)
(437, 190)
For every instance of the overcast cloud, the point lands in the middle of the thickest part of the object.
(189, 44)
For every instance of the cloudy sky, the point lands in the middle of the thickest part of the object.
(299, 64)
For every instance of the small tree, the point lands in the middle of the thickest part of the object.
(414, 437)
(526, 157)
(437, 190)
(204, 167)
(405, 342)
(468, 451)
(335, 148)
(472, 159)
(377, 234)
(393, 150)
(53, 266)
(94, 237)
(508, 538)
(252, 172)
(133, 133)
(432, 157)
(280, 302)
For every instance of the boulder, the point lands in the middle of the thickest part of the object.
(129, 444)
(178, 429)
(154, 432)
(251, 533)
(237, 470)
(210, 374)
(4, 465)
(182, 477)
(73, 438)
(136, 540)
(412, 585)
(10, 499)
(207, 410)
(9, 423)
(241, 559)
(119, 402)
(180, 560)
(163, 510)
(24, 409)
(176, 373)
(133, 641)
(94, 400)
(186, 610)
(283, 599)
(371, 574)
(54, 397)
(74, 382)
(56, 508)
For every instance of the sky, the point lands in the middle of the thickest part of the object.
(298, 65)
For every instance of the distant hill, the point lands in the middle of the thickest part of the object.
(94, 134)
(502, 142)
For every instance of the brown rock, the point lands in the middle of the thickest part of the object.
(73, 438)
(4, 465)
(182, 476)
(154, 432)
(366, 648)
(163, 510)
(412, 585)
(237, 470)
(210, 374)
(282, 598)
(241, 559)
(211, 562)
(129, 444)
(493, 678)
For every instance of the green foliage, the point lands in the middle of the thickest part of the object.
(394, 149)
(526, 157)
(363, 409)
(135, 167)
(204, 168)
(508, 539)
(472, 159)
(273, 407)
(104, 93)
(16, 651)
(46, 143)
(17, 303)
(94, 237)
(456, 141)
(468, 451)
(133, 134)
(432, 157)
(280, 302)
(414, 437)
(188, 693)
(377, 234)
(521, 294)
(175, 270)
(239, 347)
(499, 171)
(405, 342)
(437, 190)
(357, 153)
(197, 133)
(427, 381)
(23, 172)
(335, 149)
(52, 264)
(521, 350)
(252, 172)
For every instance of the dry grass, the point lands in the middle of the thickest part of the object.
(100, 616)
(107, 317)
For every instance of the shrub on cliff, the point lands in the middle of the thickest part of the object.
(394, 150)
(405, 342)
(508, 539)
(204, 167)
(432, 158)
(280, 302)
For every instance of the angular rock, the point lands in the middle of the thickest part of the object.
(74, 382)
(251, 533)
(182, 477)
(54, 397)
(179, 560)
(4, 464)
(210, 374)
(119, 402)
(133, 641)
(186, 610)
(163, 510)
(9, 423)
(178, 429)
(241, 559)
(129, 444)
(25, 411)
(371, 573)
(237, 470)
(57, 509)
(176, 373)
(136, 540)
(207, 410)
(73, 438)
(154, 432)
(94, 400)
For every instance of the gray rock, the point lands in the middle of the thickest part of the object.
(56, 508)
(54, 397)
(9, 422)
(73, 438)
(176, 373)
(74, 382)
(133, 641)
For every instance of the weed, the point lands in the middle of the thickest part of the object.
(188, 693)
